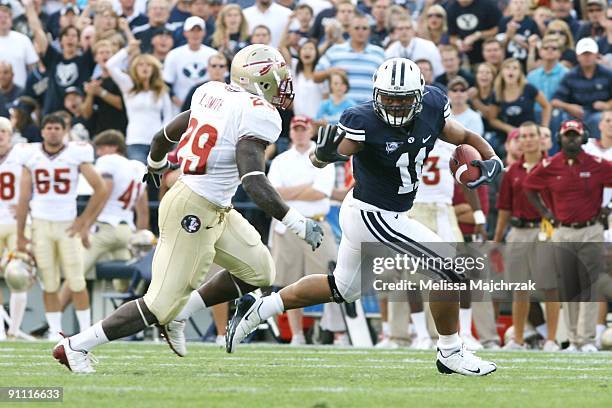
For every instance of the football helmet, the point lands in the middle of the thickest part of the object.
(398, 91)
(20, 271)
(141, 242)
(261, 70)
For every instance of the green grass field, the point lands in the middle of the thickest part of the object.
(136, 374)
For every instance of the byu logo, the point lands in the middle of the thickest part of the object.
(392, 146)
(191, 223)
(66, 74)
(194, 70)
(411, 139)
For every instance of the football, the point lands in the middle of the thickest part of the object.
(461, 164)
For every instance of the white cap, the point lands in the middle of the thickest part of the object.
(194, 21)
(587, 45)
(6, 124)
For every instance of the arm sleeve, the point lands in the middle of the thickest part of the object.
(325, 180)
(85, 152)
(351, 123)
(114, 66)
(504, 197)
(261, 121)
(104, 166)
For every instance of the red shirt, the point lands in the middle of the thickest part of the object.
(512, 197)
(459, 198)
(576, 189)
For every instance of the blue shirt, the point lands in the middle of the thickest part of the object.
(331, 112)
(359, 67)
(577, 89)
(547, 82)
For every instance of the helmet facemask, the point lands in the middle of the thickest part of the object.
(285, 95)
(397, 109)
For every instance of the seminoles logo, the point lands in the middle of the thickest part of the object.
(392, 146)
(265, 70)
(191, 223)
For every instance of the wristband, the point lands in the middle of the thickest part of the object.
(157, 164)
(479, 217)
(295, 222)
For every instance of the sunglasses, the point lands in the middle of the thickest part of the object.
(361, 28)
(435, 15)
(218, 66)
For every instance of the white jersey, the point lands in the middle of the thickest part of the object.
(437, 182)
(10, 175)
(127, 187)
(220, 115)
(593, 147)
(55, 179)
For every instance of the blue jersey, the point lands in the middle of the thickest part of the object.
(387, 170)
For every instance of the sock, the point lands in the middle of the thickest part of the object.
(542, 330)
(449, 342)
(55, 322)
(89, 338)
(599, 329)
(271, 306)
(18, 305)
(2, 332)
(84, 318)
(418, 320)
(194, 304)
(385, 329)
(465, 321)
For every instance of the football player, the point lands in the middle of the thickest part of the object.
(389, 139)
(48, 191)
(11, 162)
(223, 138)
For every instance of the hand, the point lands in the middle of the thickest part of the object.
(79, 227)
(93, 87)
(489, 170)
(328, 139)
(532, 41)
(123, 24)
(133, 47)
(27, 3)
(472, 92)
(511, 29)
(22, 244)
(314, 234)
(600, 105)
(154, 175)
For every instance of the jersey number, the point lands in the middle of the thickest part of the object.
(60, 181)
(126, 197)
(7, 186)
(431, 174)
(410, 182)
(195, 146)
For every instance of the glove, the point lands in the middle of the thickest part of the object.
(489, 170)
(155, 170)
(328, 139)
(303, 227)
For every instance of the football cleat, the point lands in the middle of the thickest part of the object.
(572, 348)
(298, 340)
(514, 346)
(550, 346)
(589, 348)
(220, 340)
(174, 333)
(471, 343)
(463, 361)
(245, 320)
(77, 361)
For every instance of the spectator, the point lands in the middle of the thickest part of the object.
(331, 108)
(595, 25)
(270, 14)
(515, 29)
(67, 16)
(566, 41)
(318, 26)
(25, 128)
(542, 16)
(304, 81)
(103, 105)
(20, 23)
(296, 32)
(88, 37)
(493, 52)
(457, 92)
(231, 31)
(180, 12)
(379, 30)
(515, 98)
(131, 14)
(261, 35)
(158, 12)
(8, 90)
(562, 10)
(162, 42)
(65, 68)
(145, 97)
(217, 71)
(357, 58)
(73, 104)
(605, 42)
(512, 148)
(17, 49)
(586, 90)
(412, 47)
(186, 66)
(334, 34)
(482, 98)
(204, 10)
(433, 26)
(344, 15)
(469, 23)
(547, 77)
(107, 27)
(452, 66)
